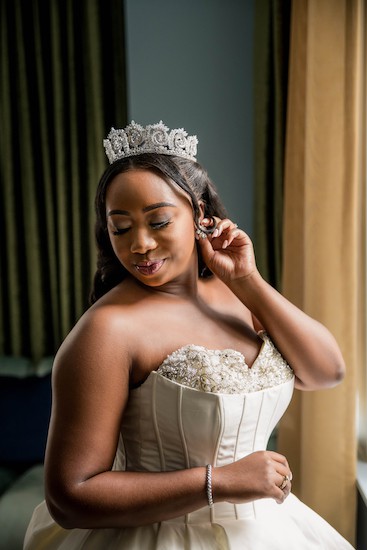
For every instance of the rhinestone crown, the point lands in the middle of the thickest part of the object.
(154, 138)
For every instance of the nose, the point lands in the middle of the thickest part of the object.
(142, 241)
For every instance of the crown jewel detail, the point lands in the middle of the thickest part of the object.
(154, 138)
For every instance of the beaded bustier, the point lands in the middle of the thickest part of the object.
(226, 371)
(202, 407)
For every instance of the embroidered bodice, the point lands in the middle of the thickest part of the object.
(203, 406)
(226, 371)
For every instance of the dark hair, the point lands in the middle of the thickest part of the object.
(186, 174)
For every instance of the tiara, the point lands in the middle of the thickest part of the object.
(154, 138)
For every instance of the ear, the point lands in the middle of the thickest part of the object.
(202, 210)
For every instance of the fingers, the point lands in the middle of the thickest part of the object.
(226, 250)
(279, 458)
(283, 477)
(225, 228)
(283, 489)
(261, 474)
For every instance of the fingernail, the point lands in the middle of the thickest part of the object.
(215, 232)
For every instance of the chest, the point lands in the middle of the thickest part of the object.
(168, 329)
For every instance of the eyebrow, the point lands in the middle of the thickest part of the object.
(145, 209)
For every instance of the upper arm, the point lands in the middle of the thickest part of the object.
(90, 391)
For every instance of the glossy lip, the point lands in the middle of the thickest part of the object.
(149, 267)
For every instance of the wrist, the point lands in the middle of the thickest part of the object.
(246, 285)
(209, 486)
(220, 486)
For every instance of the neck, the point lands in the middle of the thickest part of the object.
(183, 287)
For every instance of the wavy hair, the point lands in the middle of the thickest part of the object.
(189, 176)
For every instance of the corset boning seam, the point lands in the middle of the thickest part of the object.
(155, 424)
(237, 440)
(222, 417)
(268, 431)
(181, 428)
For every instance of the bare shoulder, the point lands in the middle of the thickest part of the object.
(102, 339)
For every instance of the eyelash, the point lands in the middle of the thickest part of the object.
(160, 225)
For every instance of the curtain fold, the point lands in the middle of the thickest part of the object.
(271, 52)
(323, 241)
(62, 86)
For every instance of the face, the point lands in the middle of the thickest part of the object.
(151, 227)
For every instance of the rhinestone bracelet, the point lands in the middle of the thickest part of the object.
(209, 489)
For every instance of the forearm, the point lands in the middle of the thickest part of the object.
(121, 499)
(133, 499)
(306, 344)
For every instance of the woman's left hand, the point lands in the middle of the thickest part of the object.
(228, 251)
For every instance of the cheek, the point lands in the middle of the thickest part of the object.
(118, 247)
(184, 245)
(183, 237)
(185, 229)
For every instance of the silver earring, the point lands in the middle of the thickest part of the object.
(200, 233)
(203, 232)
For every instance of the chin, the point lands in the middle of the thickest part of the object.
(152, 281)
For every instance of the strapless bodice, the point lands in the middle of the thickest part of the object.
(205, 406)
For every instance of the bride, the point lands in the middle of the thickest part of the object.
(167, 389)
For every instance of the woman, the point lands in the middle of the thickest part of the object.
(166, 391)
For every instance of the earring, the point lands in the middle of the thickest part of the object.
(203, 232)
(213, 225)
(200, 232)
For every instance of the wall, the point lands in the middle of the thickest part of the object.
(189, 63)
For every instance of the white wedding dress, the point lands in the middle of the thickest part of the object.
(203, 406)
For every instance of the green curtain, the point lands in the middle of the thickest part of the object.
(62, 82)
(271, 53)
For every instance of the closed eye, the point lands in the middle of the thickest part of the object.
(120, 231)
(160, 225)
